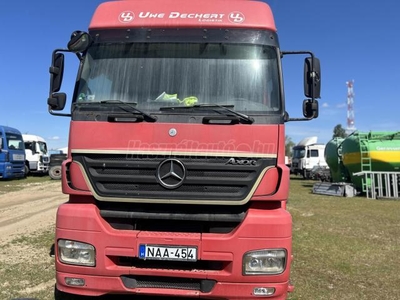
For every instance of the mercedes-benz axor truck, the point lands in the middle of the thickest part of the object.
(176, 170)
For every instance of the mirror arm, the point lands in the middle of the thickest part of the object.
(313, 76)
(298, 52)
(283, 53)
(80, 56)
(56, 51)
(58, 114)
(299, 119)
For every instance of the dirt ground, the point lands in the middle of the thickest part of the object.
(25, 213)
(31, 209)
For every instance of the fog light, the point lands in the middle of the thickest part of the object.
(74, 281)
(263, 291)
(76, 253)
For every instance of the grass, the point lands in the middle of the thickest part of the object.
(344, 248)
(26, 268)
(7, 186)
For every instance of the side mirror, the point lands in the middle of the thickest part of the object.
(57, 101)
(56, 72)
(312, 78)
(310, 109)
(1, 143)
(80, 42)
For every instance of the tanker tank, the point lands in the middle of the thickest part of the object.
(333, 158)
(376, 151)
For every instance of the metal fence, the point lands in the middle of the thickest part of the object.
(381, 184)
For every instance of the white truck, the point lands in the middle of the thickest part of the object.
(37, 157)
(307, 154)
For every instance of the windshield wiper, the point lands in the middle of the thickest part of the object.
(132, 109)
(242, 117)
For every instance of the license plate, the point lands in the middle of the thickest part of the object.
(162, 252)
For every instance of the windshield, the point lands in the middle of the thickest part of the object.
(154, 75)
(14, 141)
(42, 147)
(299, 152)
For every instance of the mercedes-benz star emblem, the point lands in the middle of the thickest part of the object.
(171, 173)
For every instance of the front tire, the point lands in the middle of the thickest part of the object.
(26, 170)
(58, 295)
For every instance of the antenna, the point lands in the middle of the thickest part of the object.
(350, 107)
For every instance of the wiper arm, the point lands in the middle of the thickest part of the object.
(242, 117)
(132, 109)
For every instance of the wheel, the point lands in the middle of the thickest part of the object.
(55, 172)
(26, 170)
(58, 295)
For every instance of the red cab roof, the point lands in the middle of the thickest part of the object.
(183, 14)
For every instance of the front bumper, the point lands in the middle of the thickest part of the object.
(42, 167)
(114, 248)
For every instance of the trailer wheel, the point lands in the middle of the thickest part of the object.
(55, 172)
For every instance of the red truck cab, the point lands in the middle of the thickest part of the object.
(176, 170)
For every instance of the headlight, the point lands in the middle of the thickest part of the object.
(76, 253)
(264, 262)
